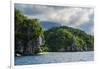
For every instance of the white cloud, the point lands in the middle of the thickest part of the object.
(71, 16)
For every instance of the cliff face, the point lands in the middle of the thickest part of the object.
(29, 48)
(28, 45)
(33, 45)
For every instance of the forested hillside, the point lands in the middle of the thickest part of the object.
(68, 39)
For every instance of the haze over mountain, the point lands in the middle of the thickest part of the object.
(49, 24)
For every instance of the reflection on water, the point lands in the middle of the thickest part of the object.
(54, 57)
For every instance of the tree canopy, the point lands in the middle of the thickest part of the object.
(64, 37)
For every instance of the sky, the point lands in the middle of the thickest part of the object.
(76, 17)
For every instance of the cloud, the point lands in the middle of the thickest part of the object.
(77, 17)
(87, 27)
(71, 16)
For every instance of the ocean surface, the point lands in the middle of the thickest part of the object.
(55, 57)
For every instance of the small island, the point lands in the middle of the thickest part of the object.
(31, 38)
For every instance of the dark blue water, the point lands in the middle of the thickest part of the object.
(55, 57)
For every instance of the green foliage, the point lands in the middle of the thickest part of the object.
(63, 37)
(80, 44)
(58, 38)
